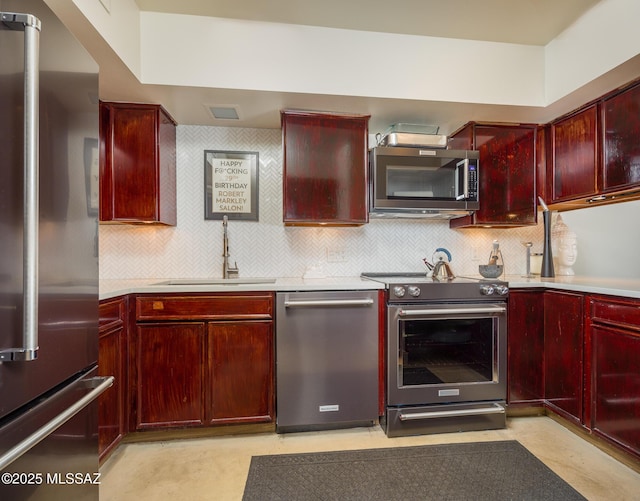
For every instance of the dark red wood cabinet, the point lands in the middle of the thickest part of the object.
(203, 359)
(170, 374)
(240, 372)
(507, 174)
(525, 348)
(325, 168)
(112, 361)
(621, 128)
(574, 148)
(137, 164)
(563, 353)
(613, 350)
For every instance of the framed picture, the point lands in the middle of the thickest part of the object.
(231, 185)
(92, 174)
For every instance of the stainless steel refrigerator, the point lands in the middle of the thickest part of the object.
(48, 259)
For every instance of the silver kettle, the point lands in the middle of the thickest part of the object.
(442, 271)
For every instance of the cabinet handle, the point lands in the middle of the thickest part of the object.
(31, 27)
(328, 302)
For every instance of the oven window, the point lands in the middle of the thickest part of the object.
(446, 351)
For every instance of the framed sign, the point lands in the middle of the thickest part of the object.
(231, 185)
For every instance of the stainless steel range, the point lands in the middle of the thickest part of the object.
(446, 354)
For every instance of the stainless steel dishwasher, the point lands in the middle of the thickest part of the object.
(326, 360)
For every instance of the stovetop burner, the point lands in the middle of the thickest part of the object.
(416, 287)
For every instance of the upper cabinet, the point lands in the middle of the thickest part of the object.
(137, 164)
(621, 126)
(325, 168)
(594, 152)
(574, 147)
(507, 169)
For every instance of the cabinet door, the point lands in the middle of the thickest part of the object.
(525, 348)
(169, 374)
(621, 126)
(240, 380)
(325, 168)
(507, 169)
(575, 156)
(137, 164)
(112, 356)
(616, 386)
(563, 353)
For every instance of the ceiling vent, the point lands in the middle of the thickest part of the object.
(224, 112)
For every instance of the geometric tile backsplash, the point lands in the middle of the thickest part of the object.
(266, 248)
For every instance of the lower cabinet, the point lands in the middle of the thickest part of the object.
(203, 360)
(578, 355)
(170, 374)
(112, 361)
(614, 355)
(525, 347)
(240, 372)
(563, 353)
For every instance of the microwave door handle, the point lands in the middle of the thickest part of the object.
(465, 180)
(31, 27)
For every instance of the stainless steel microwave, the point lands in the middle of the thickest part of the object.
(419, 182)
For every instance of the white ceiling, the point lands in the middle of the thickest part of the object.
(531, 22)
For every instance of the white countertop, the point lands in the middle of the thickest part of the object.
(113, 288)
(594, 285)
(607, 286)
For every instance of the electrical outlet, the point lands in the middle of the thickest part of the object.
(475, 255)
(336, 256)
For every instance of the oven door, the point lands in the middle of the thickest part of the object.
(443, 353)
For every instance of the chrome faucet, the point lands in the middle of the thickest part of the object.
(227, 270)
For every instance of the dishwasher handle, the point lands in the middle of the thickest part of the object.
(331, 303)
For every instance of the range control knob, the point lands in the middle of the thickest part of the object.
(399, 291)
(486, 290)
(414, 290)
(502, 290)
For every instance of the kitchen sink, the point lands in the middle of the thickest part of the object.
(218, 281)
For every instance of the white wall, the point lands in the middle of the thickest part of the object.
(208, 52)
(193, 249)
(608, 240)
(119, 26)
(233, 54)
(604, 38)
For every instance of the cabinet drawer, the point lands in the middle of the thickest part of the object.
(620, 314)
(111, 313)
(249, 306)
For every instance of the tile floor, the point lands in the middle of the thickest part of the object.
(216, 468)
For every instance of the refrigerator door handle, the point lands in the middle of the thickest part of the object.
(31, 27)
(103, 383)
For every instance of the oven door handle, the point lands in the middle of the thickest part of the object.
(451, 311)
(494, 409)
